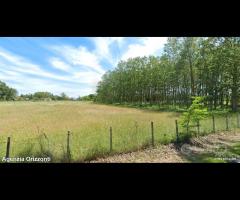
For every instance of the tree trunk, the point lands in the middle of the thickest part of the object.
(234, 99)
(192, 77)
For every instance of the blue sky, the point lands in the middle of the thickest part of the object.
(73, 65)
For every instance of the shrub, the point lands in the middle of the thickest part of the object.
(194, 114)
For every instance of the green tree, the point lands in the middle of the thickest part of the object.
(63, 96)
(190, 66)
(90, 97)
(42, 96)
(196, 112)
(7, 93)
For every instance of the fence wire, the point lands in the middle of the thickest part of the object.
(137, 136)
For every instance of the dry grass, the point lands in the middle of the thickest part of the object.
(40, 128)
(89, 123)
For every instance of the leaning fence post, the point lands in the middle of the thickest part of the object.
(238, 120)
(177, 135)
(213, 120)
(227, 128)
(110, 139)
(152, 131)
(8, 148)
(68, 147)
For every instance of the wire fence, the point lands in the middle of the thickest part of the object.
(69, 148)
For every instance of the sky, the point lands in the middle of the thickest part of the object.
(73, 65)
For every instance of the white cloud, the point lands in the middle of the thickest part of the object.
(145, 47)
(50, 86)
(59, 64)
(13, 59)
(80, 57)
(16, 71)
(26, 84)
(17, 64)
(103, 45)
(88, 77)
(83, 66)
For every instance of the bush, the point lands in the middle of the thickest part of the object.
(194, 114)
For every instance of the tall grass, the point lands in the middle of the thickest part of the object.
(40, 129)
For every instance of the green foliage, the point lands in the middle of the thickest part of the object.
(7, 93)
(43, 96)
(190, 66)
(90, 97)
(63, 96)
(194, 114)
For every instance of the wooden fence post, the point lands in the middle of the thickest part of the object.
(198, 127)
(152, 132)
(110, 139)
(213, 120)
(227, 127)
(177, 135)
(238, 120)
(8, 148)
(68, 147)
(136, 126)
(187, 128)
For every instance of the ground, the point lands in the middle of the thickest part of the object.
(40, 129)
(211, 148)
(27, 122)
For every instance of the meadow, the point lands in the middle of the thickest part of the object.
(40, 129)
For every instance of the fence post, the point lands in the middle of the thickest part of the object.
(238, 120)
(68, 147)
(8, 148)
(110, 139)
(187, 128)
(213, 120)
(198, 127)
(136, 126)
(176, 122)
(152, 131)
(227, 128)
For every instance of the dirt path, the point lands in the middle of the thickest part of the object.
(172, 154)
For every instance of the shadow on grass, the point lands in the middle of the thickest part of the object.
(99, 153)
(235, 149)
(222, 153)
(94, 154)
(148, 107)
(204, 158)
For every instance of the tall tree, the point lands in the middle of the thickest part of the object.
(192, 66)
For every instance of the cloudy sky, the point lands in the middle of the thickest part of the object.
(73, 65)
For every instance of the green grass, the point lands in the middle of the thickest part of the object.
(235, 149)
(221, 155)
(89, 123)
(153, 107)
(205, 158)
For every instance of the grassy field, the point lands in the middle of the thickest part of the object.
(40, 129)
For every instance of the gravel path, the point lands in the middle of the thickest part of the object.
(171, 154)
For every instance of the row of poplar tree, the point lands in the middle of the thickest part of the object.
(189, 66)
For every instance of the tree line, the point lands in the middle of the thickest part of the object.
(10, 94)
(47, 96)
(208, 67)
(7, 93)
